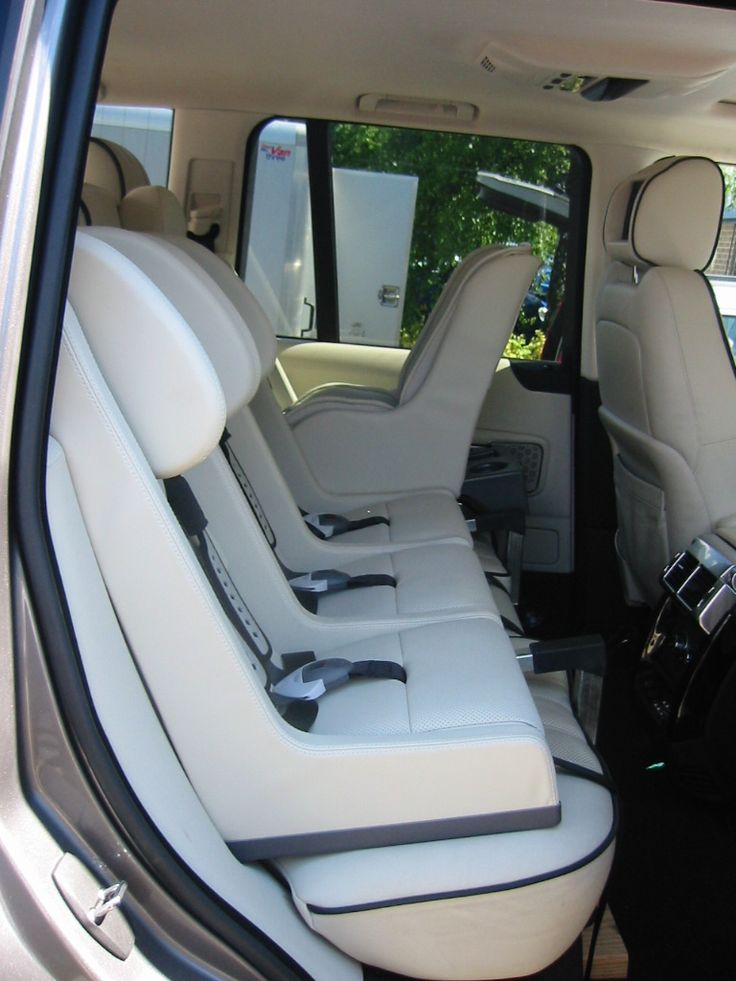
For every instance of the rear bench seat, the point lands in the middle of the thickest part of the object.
(438, 580)
(485, 863)
(418, 518)
(156, 210)
(430, 580)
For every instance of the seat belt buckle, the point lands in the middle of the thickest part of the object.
(327, 525)
(312, 680)
(320, 581)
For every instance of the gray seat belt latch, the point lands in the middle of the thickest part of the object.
(327, 525)
(321, 581)
(312, 680)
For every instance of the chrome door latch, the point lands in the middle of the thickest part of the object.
(95, 906)
(389, 296)
(107, 900)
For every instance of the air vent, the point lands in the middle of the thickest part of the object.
(393, 105)
(487, 65)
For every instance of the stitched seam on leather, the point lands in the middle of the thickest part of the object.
(186, 562)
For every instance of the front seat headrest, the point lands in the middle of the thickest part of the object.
(153, 209)
(98, 206)
(668, 214)
(154, 365)
(113, 167)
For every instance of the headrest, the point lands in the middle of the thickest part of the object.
(98, 206)
(209, 313)
(250, 310)
(152, 209)
(156, 368)
(113, 167)
(157, 210)
(668, 214)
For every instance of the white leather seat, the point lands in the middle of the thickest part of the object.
(420, 517)
(414, 519)
(434, 580)
(114, 168)
(423, 518)
(417, 519)
(471, 870)
(153, 209)
(98, 206)
(666, 377)
(418, 436)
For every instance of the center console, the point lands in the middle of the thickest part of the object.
(687, 675)
(494, 500)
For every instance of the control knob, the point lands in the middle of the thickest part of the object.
(682, 644)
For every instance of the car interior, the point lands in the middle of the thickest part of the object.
(388, 451)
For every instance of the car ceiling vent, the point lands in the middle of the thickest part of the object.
(487, 65)
(393, 105)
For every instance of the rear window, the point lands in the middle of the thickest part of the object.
(146, 132)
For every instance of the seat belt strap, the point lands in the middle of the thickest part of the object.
(331, 525)
(333, 581)
(311, 678)
(510, 627)
(498, 583)
(324, 526)
(311, 681)
(247, 488)
(192, 519)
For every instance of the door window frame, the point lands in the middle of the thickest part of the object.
(542, 374)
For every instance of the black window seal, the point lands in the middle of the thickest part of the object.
(319, 156)
(324, 254)
(544, 375)
(556, 377)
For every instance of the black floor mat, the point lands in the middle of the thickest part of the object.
(673, 890)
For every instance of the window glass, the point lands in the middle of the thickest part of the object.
(722, 270)
(410, 204)
(279, 264)
(407, 206)
(145, 132)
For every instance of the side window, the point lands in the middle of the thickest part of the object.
(722, 270)
(145, 132)
(410, 204)
(279, 262)
(406, 207)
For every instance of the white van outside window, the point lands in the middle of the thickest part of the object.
(398, 210)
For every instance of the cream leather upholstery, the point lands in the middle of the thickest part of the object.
(474, 846)
(98, 206)
(419, 436)
(113, 167)
(153, 209)
(496, 700)
(436, 580)
(423, 517)
(666, 379)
